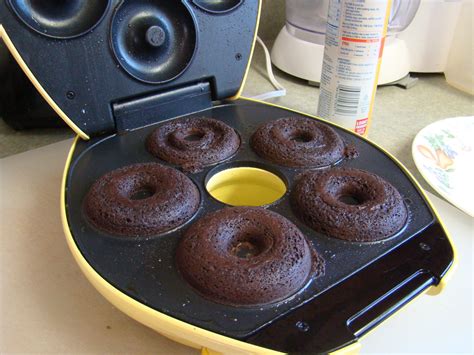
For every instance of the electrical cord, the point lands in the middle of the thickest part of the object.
(281, 91)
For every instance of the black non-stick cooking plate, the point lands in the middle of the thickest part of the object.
(381, 275)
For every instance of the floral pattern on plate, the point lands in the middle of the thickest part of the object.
(444, 154)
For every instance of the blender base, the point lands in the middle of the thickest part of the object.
(304, 59)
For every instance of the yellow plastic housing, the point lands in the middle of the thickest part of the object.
(168, 326)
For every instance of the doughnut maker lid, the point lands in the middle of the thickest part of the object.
(112, 82)
(110, 66)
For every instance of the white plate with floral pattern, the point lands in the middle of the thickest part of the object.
(444, 154)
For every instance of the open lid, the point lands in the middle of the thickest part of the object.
(108, 66)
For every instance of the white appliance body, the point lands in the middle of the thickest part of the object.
(421, 47)
(429, 36)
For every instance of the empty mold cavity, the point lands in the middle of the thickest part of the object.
(153, 41)
(217, 6)
(58, 18)
(246, 186)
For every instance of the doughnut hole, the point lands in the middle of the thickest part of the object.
(250, 246)
(191, 138)
(301, 137)
(352, 195)
(194, 135)
(349, 192)
(139, 187)
(142, 193)
(349, 200)
(246, 186)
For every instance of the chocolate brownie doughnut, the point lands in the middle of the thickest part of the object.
(193, 143)
(299, 142)
(349, 204)
(246, 256)
(141, 200)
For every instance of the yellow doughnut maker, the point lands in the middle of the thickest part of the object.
(113, 70)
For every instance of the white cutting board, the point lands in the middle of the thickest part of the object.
(47, 305)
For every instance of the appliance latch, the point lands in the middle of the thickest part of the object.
(142, 111)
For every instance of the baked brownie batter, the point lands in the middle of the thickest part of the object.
(141, 200)
(349, 204)
(299, 142)
(246, 256)
(193, 143)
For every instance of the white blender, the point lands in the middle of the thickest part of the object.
(414, 42)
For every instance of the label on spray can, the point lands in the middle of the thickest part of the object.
(355, 35)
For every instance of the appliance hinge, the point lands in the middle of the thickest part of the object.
(142, 111)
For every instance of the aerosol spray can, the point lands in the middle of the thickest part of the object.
(355, 35)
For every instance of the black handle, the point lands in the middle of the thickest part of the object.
(389, 303)
(338, 316)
